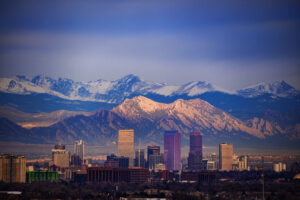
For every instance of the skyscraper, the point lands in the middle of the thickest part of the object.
(225, 156)
(172, 150)
(139, 160)
(154, 157)
(195, 154)
(60, 156)
(153, 150)
(79, 149)
(12, 169)
(126, 144)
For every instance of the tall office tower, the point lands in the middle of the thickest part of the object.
(76, 160)
(139, 160)
(126, 144)
(61, 157)
(79, 149)
(153, 151)
(225, 157)
(172, 150)
(195, 154)
(12, 169)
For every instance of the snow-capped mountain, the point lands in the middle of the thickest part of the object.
(101, 90)
(277, 89)
(115, 92)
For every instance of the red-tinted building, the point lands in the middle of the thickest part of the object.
(116, 175)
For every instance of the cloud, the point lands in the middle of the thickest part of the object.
(173, 58)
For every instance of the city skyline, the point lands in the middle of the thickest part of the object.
(151, 99)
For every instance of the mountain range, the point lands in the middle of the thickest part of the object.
(63, 110)
(149, 119)
(45, 94)
(118, 90)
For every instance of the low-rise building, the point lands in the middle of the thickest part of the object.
(116, 175)
(33, 176)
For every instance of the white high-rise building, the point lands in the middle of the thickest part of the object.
(79, 149)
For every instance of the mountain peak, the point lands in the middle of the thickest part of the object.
(276, 88)
(130, 78)
(194, 88)
(140, 103)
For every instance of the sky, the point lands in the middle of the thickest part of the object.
(232, 44)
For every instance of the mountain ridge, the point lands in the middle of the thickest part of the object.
(131, 85)
(149, 119)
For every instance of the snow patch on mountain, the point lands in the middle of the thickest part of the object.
(277, 88)
(118, 90)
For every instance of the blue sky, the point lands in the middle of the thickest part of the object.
(232, 44)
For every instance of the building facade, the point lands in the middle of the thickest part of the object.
(79, 149)
(117, 162)
(117, 175)
(225, 157)
(139, 160)
(154, 160)
(126, 144)
(243, 163)
(211, 165)
(37, 176)
(172, 150)
(195, 154)
(61, 158)
(153, 150)
(12, 169)
(76, 160)
(153, 156)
